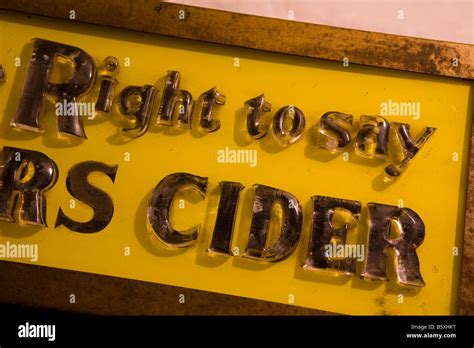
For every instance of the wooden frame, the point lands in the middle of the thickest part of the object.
(47, 287)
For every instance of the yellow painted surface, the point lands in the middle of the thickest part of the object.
(433, 186)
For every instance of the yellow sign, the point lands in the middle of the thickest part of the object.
(332, 158)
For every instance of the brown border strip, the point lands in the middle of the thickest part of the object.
(50, 288)
(47, 286)
(466, 293)
(310, 40)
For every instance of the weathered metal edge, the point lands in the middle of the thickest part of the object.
(276, 35)
(50, 288)
(466, 289)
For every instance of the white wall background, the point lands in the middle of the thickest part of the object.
(447, 20)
